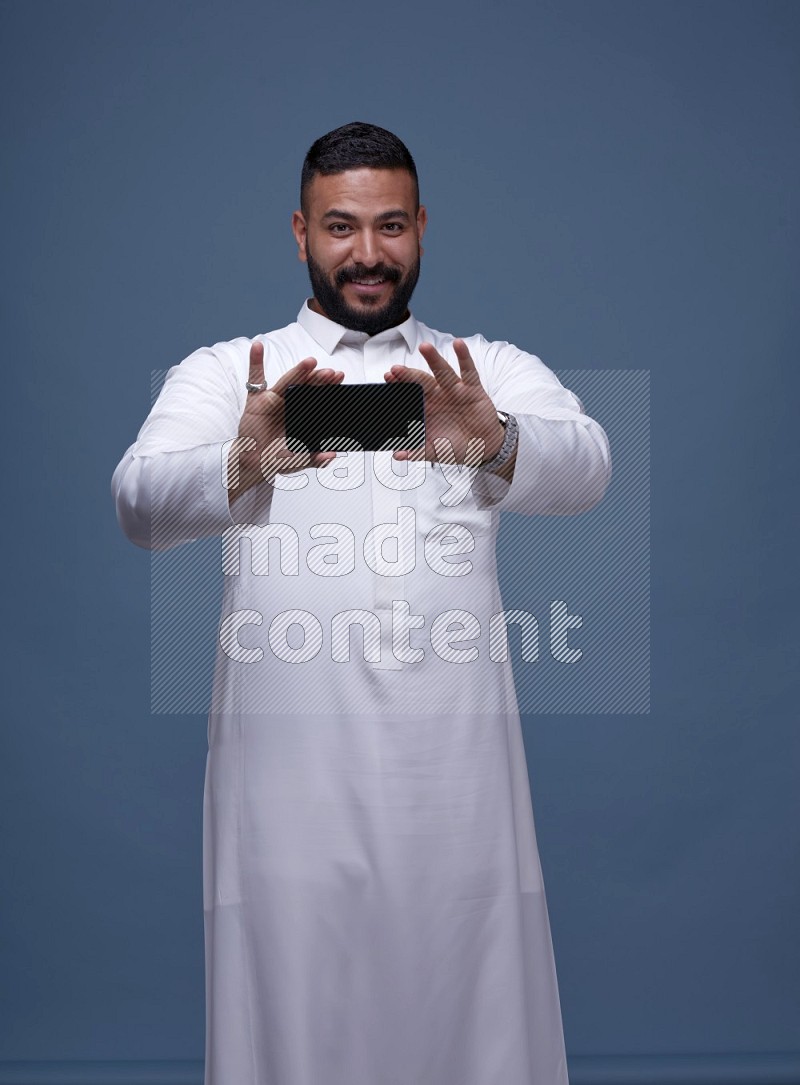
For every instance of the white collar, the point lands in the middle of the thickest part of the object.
(330, 335)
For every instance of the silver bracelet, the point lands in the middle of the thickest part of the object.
(506, 450)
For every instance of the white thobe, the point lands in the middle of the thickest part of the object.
(374, 907)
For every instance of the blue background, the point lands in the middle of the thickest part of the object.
(611, 185)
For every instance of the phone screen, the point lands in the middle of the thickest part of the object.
(341, 417)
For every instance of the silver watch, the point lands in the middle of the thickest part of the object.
(506, 451)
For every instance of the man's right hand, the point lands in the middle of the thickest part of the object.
(259, 452)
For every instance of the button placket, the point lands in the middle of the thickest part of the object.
(389, 506)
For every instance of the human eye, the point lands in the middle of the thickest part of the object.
(393, 227)
(339, 228)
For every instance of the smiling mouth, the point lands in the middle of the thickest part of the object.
(368, 282)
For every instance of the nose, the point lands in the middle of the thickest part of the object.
(366, 248)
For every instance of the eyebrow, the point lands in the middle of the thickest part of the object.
(348, 216)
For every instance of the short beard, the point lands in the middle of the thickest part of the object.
(372, 321)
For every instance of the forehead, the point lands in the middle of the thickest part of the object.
(363, 191)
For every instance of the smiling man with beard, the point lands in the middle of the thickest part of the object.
(367, 260)
(374, 907)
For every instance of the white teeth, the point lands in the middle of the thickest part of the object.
(369, 282)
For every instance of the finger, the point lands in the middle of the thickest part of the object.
(446, 377)
(298, 374)
(289, 462)
(418, 453)
(404, 374)
(469, 373)
(322, 459)
(279, 459)
(326, 376)
(256, 373)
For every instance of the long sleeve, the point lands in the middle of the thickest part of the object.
(563, 463)
(169, 487)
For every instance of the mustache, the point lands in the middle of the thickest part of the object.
(361, 271)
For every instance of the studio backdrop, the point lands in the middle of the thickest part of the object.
(612, 186)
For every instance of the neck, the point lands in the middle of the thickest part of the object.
(315, 306)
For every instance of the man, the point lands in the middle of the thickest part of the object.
(373, 899)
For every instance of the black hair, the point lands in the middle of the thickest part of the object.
(355, 146)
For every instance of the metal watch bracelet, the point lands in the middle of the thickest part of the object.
(506, 450)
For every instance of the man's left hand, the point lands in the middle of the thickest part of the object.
(456, 408)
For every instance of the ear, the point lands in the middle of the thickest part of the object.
(300, 231)
(422, 222)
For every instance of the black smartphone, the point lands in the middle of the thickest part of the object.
(341, 417)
